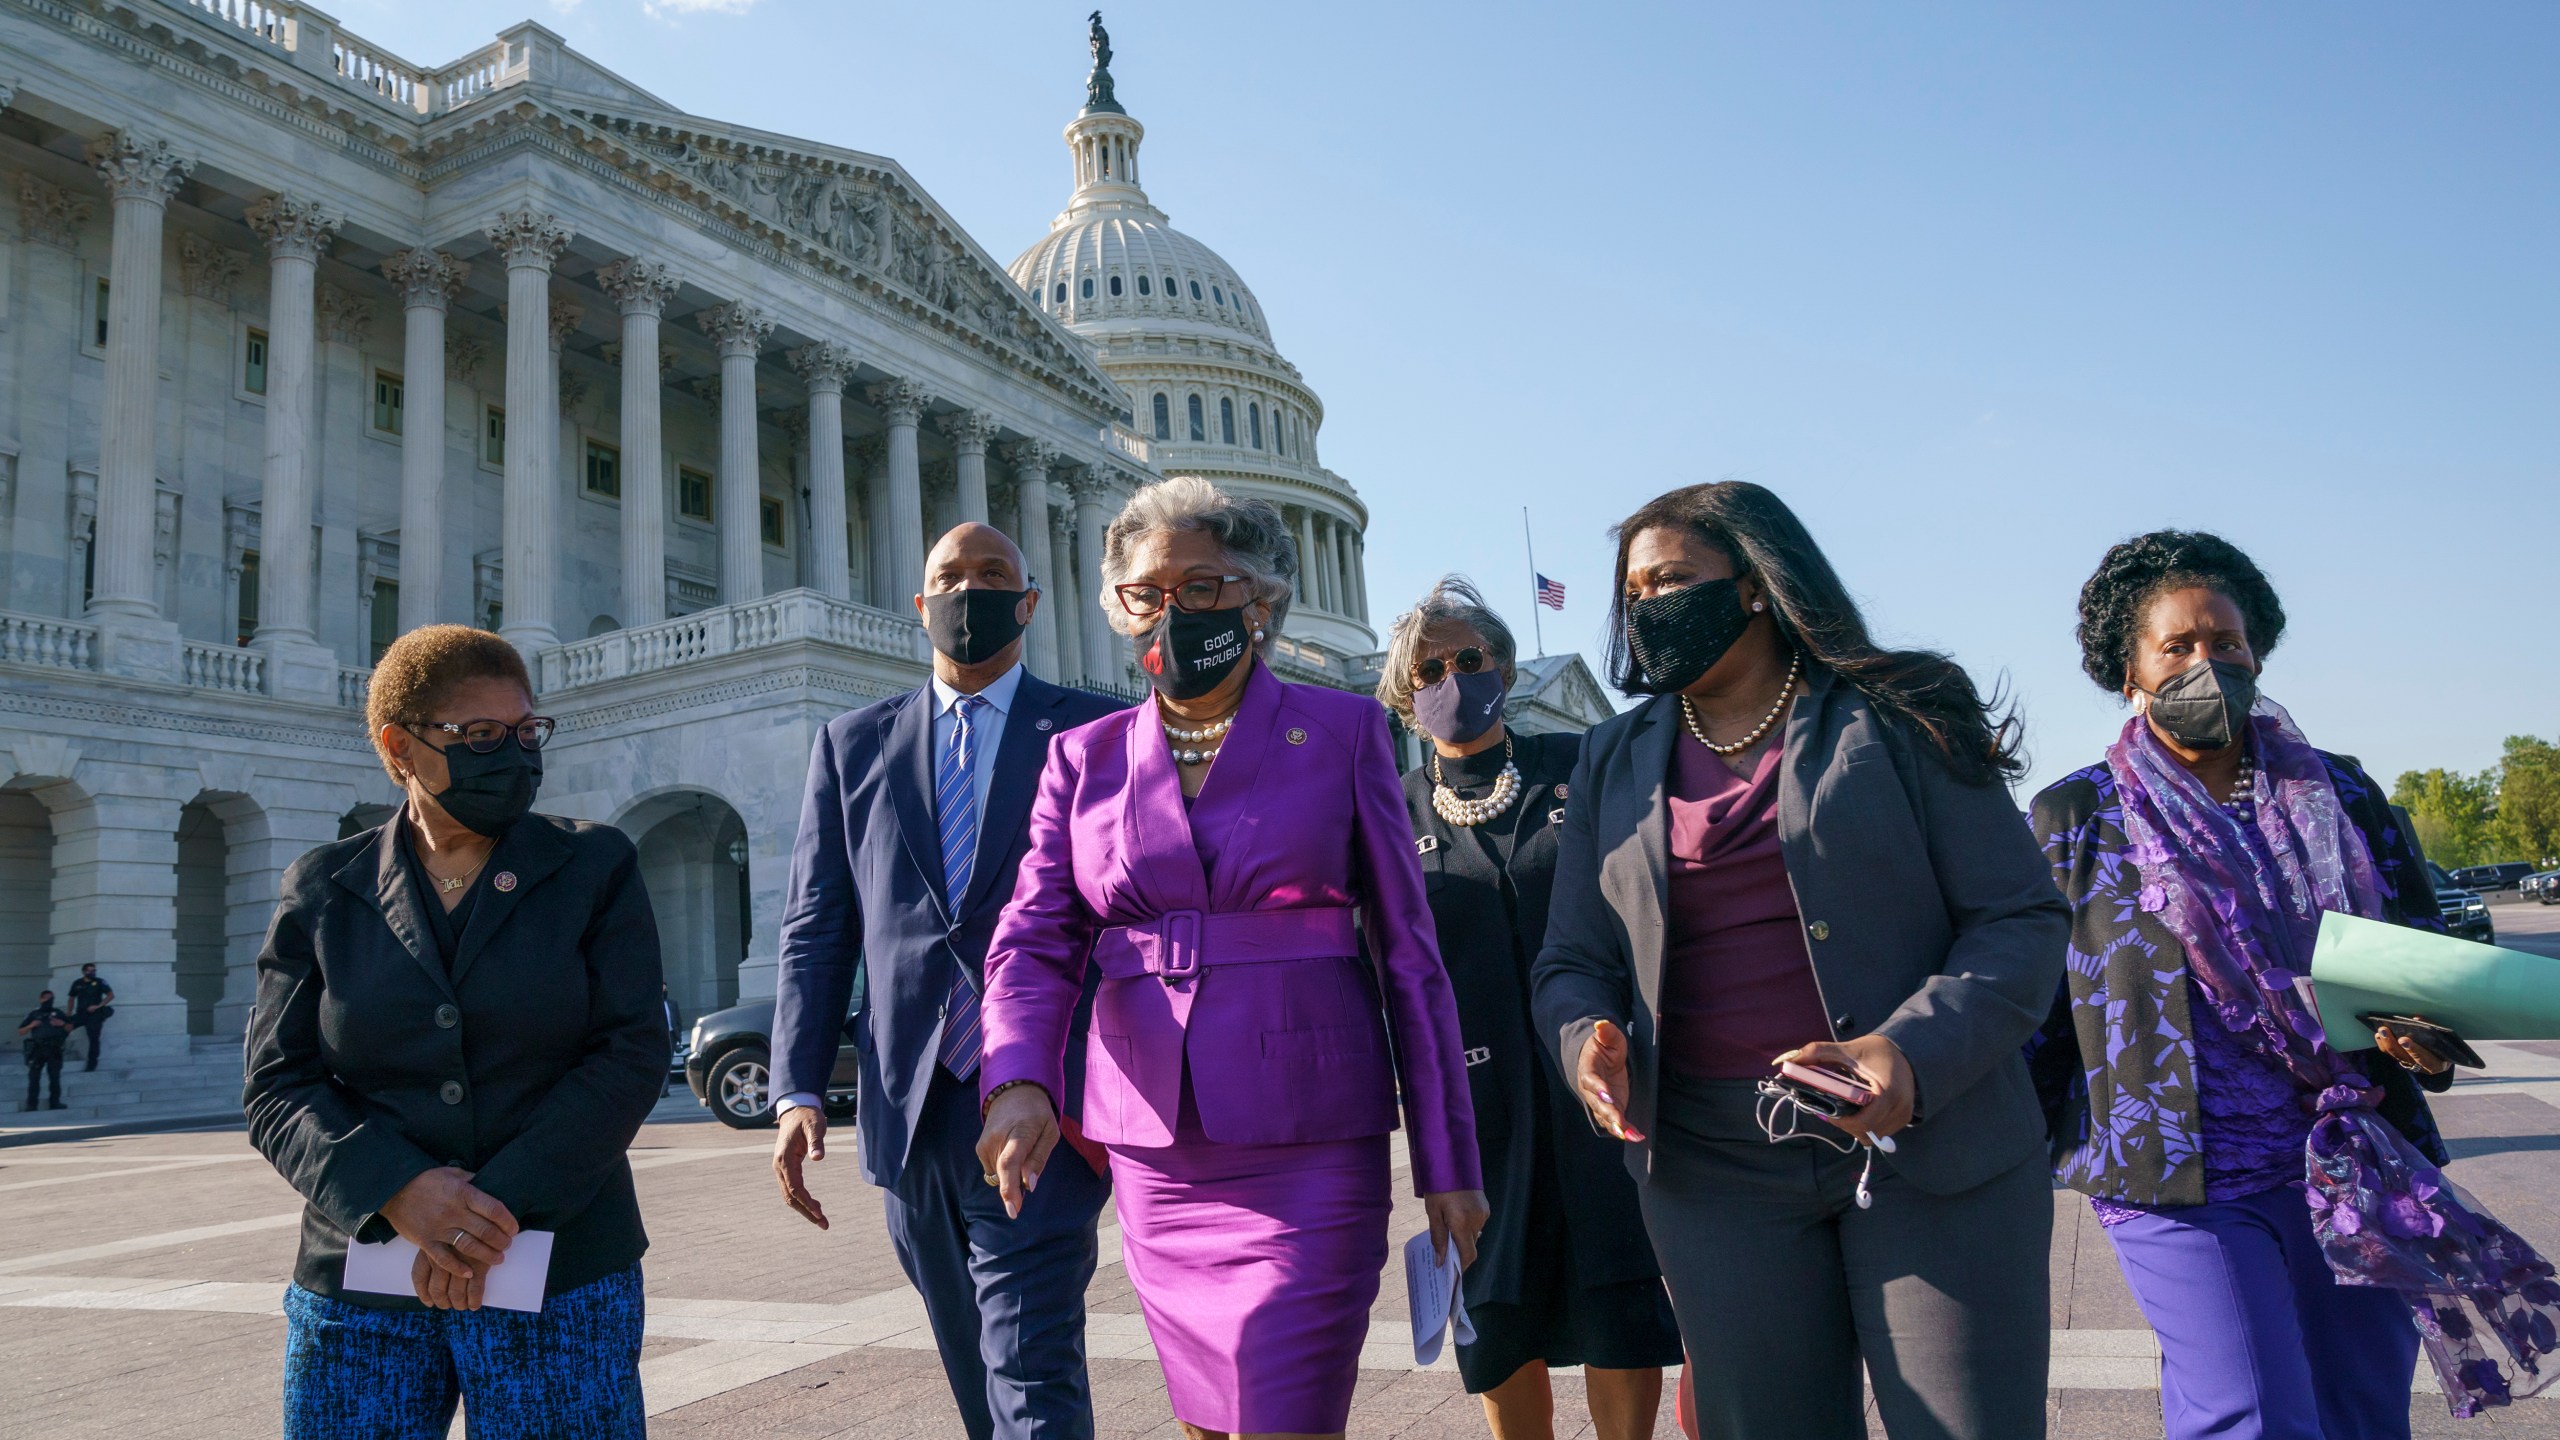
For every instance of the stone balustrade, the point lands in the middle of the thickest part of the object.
(355, 687)
(310, 40)
(789, 618)
(47, 643)
(229, 668)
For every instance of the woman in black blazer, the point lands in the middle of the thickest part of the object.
(457, 1034)
(1563, 1274)
(1800, 848)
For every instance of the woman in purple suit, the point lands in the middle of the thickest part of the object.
(1221, 852)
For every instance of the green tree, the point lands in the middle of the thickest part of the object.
(2453, 813)
(2527, 822)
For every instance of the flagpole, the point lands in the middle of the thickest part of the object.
(1537, 622)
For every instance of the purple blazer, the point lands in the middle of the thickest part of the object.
(1225, 933)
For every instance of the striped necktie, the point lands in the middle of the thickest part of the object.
(955, 801)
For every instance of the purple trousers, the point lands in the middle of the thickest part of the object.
(2258, 1340)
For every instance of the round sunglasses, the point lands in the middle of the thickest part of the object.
(1435, 669)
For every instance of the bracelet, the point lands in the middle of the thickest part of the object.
(990, 1102)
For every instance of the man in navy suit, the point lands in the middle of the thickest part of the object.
(915, 824)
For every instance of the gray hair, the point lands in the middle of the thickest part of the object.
(1252, 533)
(1454, 601)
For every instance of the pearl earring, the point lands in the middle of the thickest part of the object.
(1759, 605)
(1257, 635)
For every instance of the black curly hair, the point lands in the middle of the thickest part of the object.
(2141, 569)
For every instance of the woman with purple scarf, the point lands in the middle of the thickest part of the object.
(2278, 1206)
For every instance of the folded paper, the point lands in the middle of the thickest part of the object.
(514, 1283)
(1437, 1296)
(2479, 992)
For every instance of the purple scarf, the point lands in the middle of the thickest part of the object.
(2248, 916)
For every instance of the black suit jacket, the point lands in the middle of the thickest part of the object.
(866, 890)
(533, 1063)
(1931, 917)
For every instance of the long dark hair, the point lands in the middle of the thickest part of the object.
(1814, 612)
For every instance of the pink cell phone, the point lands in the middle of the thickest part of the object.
(1829, 1082)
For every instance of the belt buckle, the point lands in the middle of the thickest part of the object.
(1178, 945)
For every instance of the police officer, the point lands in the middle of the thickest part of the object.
(92, 1001)
(44, 1031)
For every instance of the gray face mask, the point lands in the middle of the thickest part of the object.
(2205, 707)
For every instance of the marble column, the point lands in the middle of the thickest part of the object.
(641, 289)
(739, 330)
(297, 233)
(1031, 484)
(1360, 574)
(114, 899)
(529, 541)
(872, 453)
(427, 281)
(1095, 498)
(1307, 595)
(970, 432)
(564, 458)
(823, 368)
(140, 175)
(902, 402)
(1342, 570)
(1069, 606)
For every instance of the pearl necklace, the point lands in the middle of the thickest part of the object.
(1506, 788)
(1786, 692)
(1205, 732)
(2244, 794)
(1188, 752)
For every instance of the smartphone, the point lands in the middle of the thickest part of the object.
(1831, 1082)
(2429, 1034)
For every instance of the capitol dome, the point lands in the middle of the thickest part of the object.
(1210, 394)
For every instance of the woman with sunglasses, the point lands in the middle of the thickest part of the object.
(456, 1036)
(1564, 1274)
(1223, 854)
(1798, 850)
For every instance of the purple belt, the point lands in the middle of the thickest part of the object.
(1178, 944)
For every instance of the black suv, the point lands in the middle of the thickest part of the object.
(2501, 876)
(729, 1066)
(2466, 916)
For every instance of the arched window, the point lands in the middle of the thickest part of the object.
(1253, 418)
(1171, 287)
(1115, 285)
(1198, 431)
(1164, 417)
(1220, 294)
(1195, 289)
(1143, 287)
(1086, 287)
(1279, 430)
(1062, 292)
(1226, 421)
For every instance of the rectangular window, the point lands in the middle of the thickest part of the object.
(1253, 414)
(493, 437)
(693, 494)
(248, 602)
(386, 616)
(98, 322)
(253, 363)
(1199, 431)
(1226, 420)
(386, 403)
(769, 522)
(1279, 431)
(604, 470)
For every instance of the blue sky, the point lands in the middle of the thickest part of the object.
(1979, 289)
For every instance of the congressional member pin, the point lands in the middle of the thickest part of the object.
(1045, 724)
(505, 880)
(1297, 736)
(1561, 789)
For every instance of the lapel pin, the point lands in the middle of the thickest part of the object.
(1045, 724)
(1297, 736)
(505, 880)
(1561, 789)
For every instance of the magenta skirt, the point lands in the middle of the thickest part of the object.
(1256, 1266)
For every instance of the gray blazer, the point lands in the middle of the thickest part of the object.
(1931, 917)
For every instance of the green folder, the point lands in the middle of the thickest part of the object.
(2480, 992)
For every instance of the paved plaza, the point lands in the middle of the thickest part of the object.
(140, 1277)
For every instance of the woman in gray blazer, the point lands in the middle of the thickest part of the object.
(1801, 848)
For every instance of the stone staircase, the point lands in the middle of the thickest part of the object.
(149, 1082)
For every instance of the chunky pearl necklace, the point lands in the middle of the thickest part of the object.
(1506, 788)
(1187, 751)
(1786, 692)
(2244, 794)
(1205, 732)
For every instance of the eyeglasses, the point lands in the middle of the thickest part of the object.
(484, 736)
(1433, 670)
(1194, 596)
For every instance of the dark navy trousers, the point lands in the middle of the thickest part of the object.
(2258, 1340)
(1005, 1296)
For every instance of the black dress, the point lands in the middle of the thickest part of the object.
(1564, 1272)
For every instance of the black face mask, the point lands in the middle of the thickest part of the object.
(486, 794)
(972, 626)
(2205, 707)
(1679, 635)
(1193, 651)
(1461, 707)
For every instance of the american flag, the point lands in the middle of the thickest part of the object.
(1551, 593)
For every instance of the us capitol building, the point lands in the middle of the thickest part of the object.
(303, 345)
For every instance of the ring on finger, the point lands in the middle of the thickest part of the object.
(459, 1235)
(990, 1177)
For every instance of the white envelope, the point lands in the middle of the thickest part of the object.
(515, 1283)
(1437, 1297)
